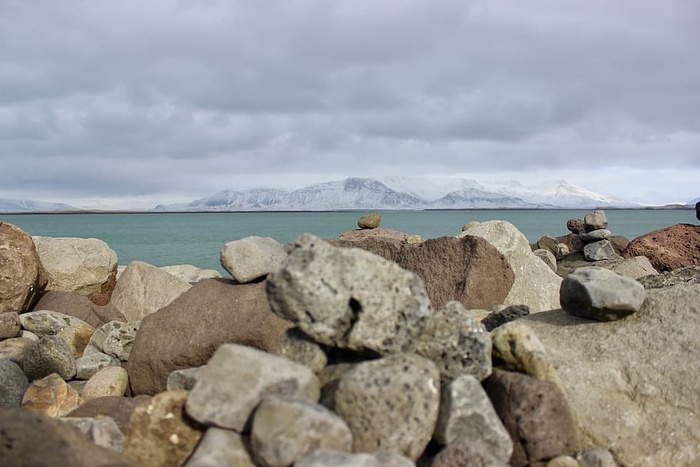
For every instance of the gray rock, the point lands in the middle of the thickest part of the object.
(469, 225)
(370, 221)
(297, 347)
(101, 430)
(27, 335)
(596, 458)
(143, 289)
(467, 413)
(466, 453)
(81, 265)
(286, 430)
(457, 343)
(15, 349)
(391, 403)
(547, 242)
(535, 284)
(115, 338)
(634, 268)
(236, 379)
(13, 383)
(251, 258)
(219, 448)
(74, 331)
(325, 458)
(349, 298)
(686, 275)
(109, 381)
(595, 220)
(548, 257)
(88, 365)
(562, 250)
(600, 250)
(183, 380)
(9, 324)
(49, 355)
(596, 235)
(600, 294)
(624, 380)
(191, 274)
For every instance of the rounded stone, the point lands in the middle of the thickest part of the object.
(109, 381)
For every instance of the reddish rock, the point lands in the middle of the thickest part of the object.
(671, 248)
(619, 243)
(536, 415)
(82, 307)
(32, 439)
(468, 269)
(51, 396)
(187, 332)
(101, 299)
(22, 276)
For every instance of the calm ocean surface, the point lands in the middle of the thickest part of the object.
(197, 238)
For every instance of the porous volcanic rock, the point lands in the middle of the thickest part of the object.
(671, 248)
(187, 332)
(22, 275)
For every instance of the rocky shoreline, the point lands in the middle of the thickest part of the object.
(378, 348)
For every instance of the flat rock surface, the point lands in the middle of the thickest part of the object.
(633, 384)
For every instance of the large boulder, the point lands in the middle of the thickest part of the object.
(22, 275)
(81, 265)
(467, 269)
(632, 383)
(81, 307)
(671, 248)
(30, 438)
(251, 258)
(187, 332)
(349, 298)
(144, 289)
(536, 285)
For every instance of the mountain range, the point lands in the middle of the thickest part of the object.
(404, 193)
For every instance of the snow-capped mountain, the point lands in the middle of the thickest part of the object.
(404, 193)
(27, 205)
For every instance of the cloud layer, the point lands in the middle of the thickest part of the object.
(169, 99)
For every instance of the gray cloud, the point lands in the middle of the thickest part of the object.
(175, 98)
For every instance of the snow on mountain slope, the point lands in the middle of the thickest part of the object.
(27, 205)
(403, 193)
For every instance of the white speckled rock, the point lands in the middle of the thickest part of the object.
(391, 404)
(190, 273)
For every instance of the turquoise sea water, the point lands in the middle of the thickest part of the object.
(197, 238)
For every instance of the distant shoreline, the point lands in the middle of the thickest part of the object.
(123, 211)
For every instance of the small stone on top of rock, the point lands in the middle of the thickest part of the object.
(370, 221)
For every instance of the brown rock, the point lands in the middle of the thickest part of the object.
(535, 413)
(370, 221)
(102, 299)
(51, 396)
(572, 241)
(186, 333)
(160, 433)
(22, 276)
(668, 249)
(33, 439)
(468, 269)
(575, 225)
(619, 243)
(72, 304)
(118, 408)
(363, 234)
(9, 324)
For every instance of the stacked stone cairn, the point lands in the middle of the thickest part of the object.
(316, 355)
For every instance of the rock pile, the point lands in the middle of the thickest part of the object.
(329, 355)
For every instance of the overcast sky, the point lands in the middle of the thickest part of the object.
(134, 103)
